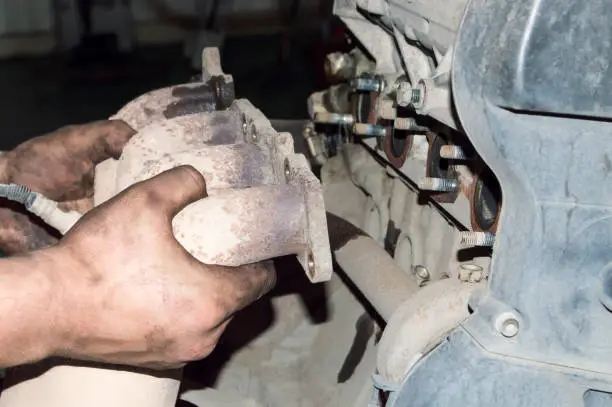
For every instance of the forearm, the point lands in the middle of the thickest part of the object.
(29, 322)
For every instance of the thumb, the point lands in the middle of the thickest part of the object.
(172, 190)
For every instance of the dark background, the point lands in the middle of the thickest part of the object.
(40, 94)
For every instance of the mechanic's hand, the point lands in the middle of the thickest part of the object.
(132, 294)
(61, 166)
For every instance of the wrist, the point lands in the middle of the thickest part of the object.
(63, 313)
(30, 328)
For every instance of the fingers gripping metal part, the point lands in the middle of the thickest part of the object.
(263, 202)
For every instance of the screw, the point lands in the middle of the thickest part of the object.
(405, 123)
(452, 152)
(368, 84)
(371, 130)
(439, 184)
(507, 324)
(422, 272)
(333, 118)
(484, 239)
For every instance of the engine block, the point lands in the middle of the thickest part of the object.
(439, 111)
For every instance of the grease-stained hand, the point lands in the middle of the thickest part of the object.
(131, 294)
(61, 166)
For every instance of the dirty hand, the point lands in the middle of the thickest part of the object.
(59, 165)
(131, 294)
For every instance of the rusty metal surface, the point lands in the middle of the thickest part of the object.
(282, 211)
(421, 323)
(240, 226)
(168, 103)
(230, 166)
(294, 169)
(373, 271)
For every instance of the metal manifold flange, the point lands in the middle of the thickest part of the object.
(264, 201)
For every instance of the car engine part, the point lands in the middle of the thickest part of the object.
(263, 202)
(463, 162)
(449, 146)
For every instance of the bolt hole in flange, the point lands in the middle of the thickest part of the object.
(311, 265)
(287, 170)
(437, 167)
(485, 202)
(245, 124)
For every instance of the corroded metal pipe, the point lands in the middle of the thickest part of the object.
(383, 283)
(244, 226)
(421, 323)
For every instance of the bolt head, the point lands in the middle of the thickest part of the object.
(422, 272)
(507, 325)
(403, 94)
(476, 277)
(464, 275)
